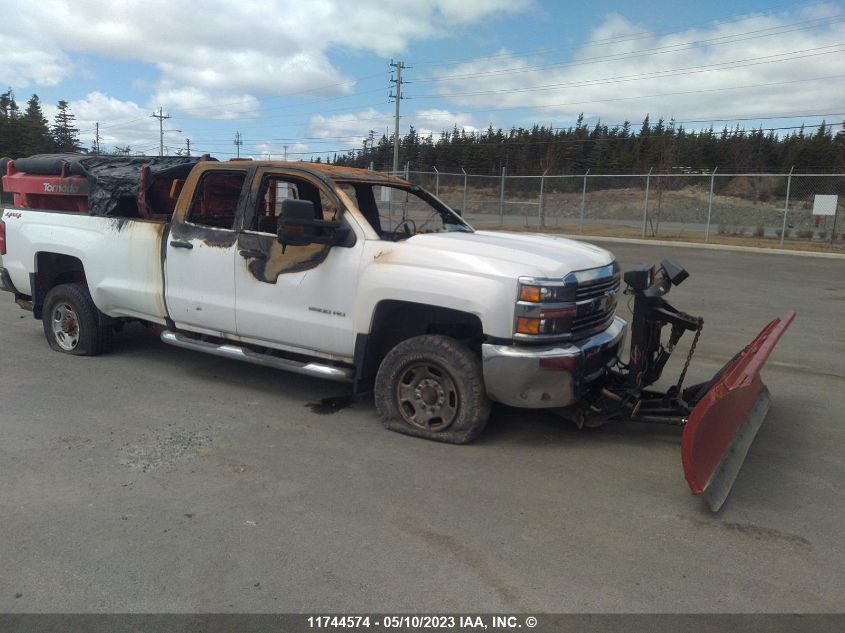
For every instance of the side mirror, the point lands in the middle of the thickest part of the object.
(297, 226)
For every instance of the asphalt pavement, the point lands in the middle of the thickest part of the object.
(154, 479)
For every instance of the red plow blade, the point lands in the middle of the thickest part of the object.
(725, 420)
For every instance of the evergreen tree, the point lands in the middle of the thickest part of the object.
(35, 134)
(10, 131)
(65, 135)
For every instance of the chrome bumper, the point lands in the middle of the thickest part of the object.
(548, 376)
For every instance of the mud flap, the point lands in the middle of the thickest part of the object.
(726, 418)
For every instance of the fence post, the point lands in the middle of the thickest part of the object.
(436, 181)
(502, 198)
(542, 199)
(464, 208)
(786, 206)
(407, 170)
(583, 203)
(710, 206)
(645, 207)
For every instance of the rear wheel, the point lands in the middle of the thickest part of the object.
(432, 386)
(72, 323)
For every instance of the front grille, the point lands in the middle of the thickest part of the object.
(596, 288)
(596, 300)
(592, 292)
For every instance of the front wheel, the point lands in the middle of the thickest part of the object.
(72, 323)
(432, 386)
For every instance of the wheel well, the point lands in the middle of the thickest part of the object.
(396, 321)
(53, 269)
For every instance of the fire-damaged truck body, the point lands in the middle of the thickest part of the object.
(352, 275)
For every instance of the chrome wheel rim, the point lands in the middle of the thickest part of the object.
(65, 326)
(427, 397)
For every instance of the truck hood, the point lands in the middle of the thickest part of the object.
(512, 253)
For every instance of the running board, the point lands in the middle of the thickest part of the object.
(226, 350)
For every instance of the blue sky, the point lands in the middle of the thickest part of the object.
(314, 76)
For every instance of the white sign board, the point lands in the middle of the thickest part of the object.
(825, 205)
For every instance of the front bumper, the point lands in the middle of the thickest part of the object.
(549, 376)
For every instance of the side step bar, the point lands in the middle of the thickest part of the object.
(226, 350)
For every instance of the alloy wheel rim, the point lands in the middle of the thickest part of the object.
(427, 397)
(65, 325)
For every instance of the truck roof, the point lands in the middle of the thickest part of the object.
(334, 172)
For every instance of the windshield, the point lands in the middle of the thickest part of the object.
(397, 212)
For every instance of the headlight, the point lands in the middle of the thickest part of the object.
(577, 305)
(533, 293)
(545, 308)
(547, 321)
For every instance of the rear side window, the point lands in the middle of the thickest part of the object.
(215, 202)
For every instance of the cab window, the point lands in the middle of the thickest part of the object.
(275, 189)
(215, 202)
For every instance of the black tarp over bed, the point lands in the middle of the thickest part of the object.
(113, 181)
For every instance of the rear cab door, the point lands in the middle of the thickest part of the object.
(201, 248)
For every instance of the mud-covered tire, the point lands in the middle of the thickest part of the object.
(72, 323)
(432, 386)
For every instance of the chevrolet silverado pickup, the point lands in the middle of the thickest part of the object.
(340, 273)
(357, 276)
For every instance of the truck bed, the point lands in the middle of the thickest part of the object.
(135, 187)
(125, 277)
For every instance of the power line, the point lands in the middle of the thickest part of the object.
(658, 74)
(614, 40)
(664, 94)
(360, 137)
(399, 66)
(647, 52)
(161, 117)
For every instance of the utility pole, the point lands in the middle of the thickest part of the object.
(286, 151)
(97, 137)
(188, 143)
(399, 66)
(161, 117)
(238, 143)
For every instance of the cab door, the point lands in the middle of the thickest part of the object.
(200, 254)
(296, 297)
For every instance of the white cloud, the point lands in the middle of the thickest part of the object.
(433, 121)
(122, 123)
(24, 65)
(352, 128)
(240, 48)
(635, 74)
(277, 151)
(206, 103)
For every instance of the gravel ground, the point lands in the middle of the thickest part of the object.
(157, 479)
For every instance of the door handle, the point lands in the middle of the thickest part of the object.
(249, 253)
(176, 244)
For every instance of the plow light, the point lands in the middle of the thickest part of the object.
(640, 278)
(674, 271)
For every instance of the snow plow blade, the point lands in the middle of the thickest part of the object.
(726, 418)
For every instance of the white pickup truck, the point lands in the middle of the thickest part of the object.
(352, 275)
(340, 273)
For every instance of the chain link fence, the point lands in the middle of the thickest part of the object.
(785, 208)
